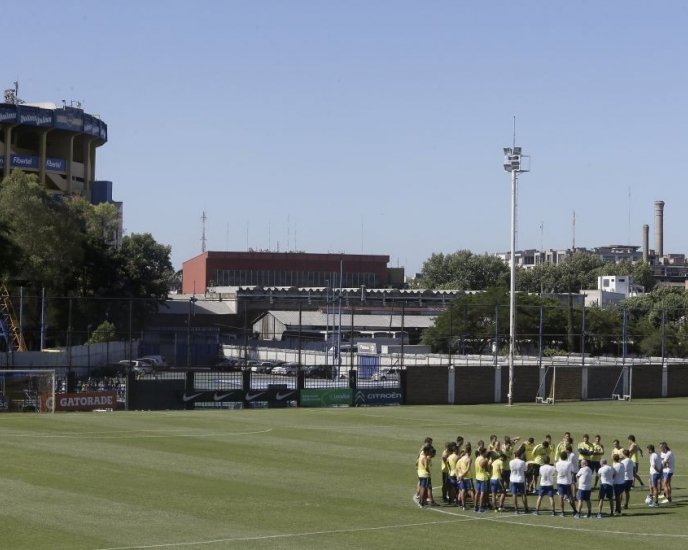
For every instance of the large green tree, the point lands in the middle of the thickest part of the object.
(8, 252)
(68, 247)
(49, 241)
(463, 270)
(474, 321)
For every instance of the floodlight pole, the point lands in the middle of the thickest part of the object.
(513, 163)
(512, 286)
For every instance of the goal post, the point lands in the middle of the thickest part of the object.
(31, 390)
(548, 382)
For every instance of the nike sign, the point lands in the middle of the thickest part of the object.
(221, 396)
(250, 397)
(191, 397)
(281, 396)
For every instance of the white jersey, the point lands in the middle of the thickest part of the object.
(606, 474)
(629, 467)
(564, 472)
(518, 471)
(619, 473)
(546, 475)
(655, 464)
(574, 463)
(668, 462)
(584, 477)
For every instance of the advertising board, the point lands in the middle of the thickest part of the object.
(31, 162)
(377, 396)
(8, 113)
(325, 397)
(86, 401)
(35, 116)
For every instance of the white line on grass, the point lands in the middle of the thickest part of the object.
(506, 519)
(286, 535)
(135, 434)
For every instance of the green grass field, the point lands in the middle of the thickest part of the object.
(299, 478)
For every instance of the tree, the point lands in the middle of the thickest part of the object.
(105, 332)
(463, 270)
(8, 252)
(602, 330)
(67, 246)
(474, 321)
(48, 240)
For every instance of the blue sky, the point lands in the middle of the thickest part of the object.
(372, 126)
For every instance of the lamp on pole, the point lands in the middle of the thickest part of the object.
(514, 163)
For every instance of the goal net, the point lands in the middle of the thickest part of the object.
(27, 390)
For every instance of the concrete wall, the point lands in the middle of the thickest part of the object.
(473, 385)
(81, 356)
(677, 383)
(427, 385)
(476, 384)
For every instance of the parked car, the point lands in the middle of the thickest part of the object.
(317, 371)
(385, 373)
(158, 361)
(262, 367)
(286, 369)
(229, 364)
(140, 366)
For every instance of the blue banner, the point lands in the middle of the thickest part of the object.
(55, 165)
(69, 118)
(24, 161)
(368, 365)
(35, 116)
(91, 125)
(8, 113)
(31, 162)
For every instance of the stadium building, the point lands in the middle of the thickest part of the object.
(58, 144)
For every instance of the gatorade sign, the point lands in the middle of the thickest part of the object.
(86, 401)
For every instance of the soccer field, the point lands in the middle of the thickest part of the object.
(300, 478)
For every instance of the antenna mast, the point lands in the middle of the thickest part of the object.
(204, 218)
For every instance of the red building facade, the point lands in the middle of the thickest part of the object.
(296, 269)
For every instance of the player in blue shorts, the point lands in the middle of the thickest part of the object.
(584, 482)
(606, 475)
(546, 473)
(518, 480)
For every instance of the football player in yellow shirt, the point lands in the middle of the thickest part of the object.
(497, 483)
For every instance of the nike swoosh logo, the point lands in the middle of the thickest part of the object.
(281, 396)
(221, 396)
(250, 397)
(191, 397)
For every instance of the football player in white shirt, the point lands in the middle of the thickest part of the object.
(546, 485)
(606, 476)
(584, 480)
(564, 481)
(655, 475)
(619, 480)
(629, 468)
(667, 457)
(517, 479)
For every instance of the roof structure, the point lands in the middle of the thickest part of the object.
(360, 321)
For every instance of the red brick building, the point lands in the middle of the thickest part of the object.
(292, 269)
